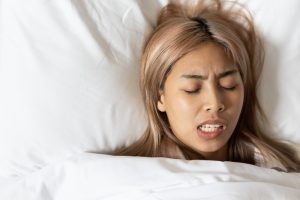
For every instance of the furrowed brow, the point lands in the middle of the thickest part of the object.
(194, 76)
(219, 76)
(227, 73)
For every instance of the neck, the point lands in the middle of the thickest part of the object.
(220, 154)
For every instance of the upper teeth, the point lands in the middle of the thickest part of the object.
(210, 127)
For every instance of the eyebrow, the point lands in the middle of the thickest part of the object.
(221, 75)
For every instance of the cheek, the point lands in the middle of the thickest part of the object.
(240, 99)
(180, 111)
(181, 104)
(236, 102)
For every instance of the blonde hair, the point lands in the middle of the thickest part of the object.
(180, 29)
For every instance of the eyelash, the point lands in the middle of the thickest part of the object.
(230, 89)
(192, 92)
(197, 90)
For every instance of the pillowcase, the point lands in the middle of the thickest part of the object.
(69, 79)
(69, 76)
(279, 86)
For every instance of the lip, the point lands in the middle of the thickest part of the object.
(209, 135)
(214, 121)
(214, 134)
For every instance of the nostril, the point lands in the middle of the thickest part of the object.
(219, 109)
(222, 108)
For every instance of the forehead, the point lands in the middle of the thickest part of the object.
(208, 57)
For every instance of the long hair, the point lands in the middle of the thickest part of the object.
(180, 29)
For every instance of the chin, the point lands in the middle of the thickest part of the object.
(210, 148)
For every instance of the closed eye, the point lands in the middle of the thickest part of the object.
(198, 90)
(193, 91)
(230, 88)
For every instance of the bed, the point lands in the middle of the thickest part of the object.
(69, 87)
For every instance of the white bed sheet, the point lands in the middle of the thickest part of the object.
(65, 65)
(94, 176)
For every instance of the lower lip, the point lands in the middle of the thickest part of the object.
(209, 135)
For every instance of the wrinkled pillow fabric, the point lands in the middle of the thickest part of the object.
(69, 76)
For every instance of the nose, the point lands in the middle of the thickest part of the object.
(214, 102)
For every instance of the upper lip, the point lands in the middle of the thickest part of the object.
(221, 122)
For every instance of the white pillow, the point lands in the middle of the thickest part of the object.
(279, 90)
(69, 76)
(69, 79)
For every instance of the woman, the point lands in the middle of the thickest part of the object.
(198, 80)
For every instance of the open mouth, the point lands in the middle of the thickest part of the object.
(211, 127)
(210, 131)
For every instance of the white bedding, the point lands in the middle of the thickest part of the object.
(102, 177)
(69, 76)
(64, 67)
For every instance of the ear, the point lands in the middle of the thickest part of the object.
(161, 102)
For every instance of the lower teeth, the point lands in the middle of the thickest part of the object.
(209, 130)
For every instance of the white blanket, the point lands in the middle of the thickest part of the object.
(94, 176)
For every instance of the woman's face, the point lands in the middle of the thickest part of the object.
(203, 85)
